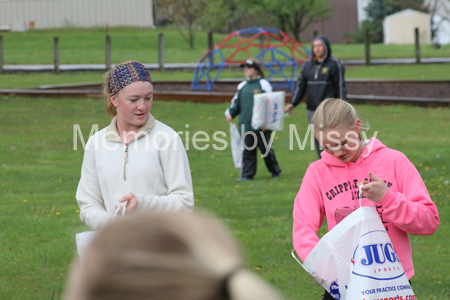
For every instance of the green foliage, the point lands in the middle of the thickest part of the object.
(293, 16)
(377, 10)
(225, 15)
(185, 15)
(38, 164)
(359, 35)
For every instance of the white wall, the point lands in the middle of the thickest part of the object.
(77, 13)
(399, 27)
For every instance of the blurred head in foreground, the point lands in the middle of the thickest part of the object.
(167, 256)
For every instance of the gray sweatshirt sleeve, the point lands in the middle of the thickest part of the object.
(176, 175)
(89, 195)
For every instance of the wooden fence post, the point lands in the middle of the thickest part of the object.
(161, 51)
(210, 39)
(210, 44)
(367, 46)
(1, 54)
(108, 53)
(261, 49)
(56, 54)
(417, 44)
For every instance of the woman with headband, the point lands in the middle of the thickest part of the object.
(136, 161)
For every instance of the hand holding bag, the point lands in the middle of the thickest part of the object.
(356, 260)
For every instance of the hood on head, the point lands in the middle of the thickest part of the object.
(327, 44)
(372, 148)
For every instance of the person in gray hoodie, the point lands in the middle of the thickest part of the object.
(322, 77)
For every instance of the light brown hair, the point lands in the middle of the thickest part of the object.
(334, 113)
(164, 256)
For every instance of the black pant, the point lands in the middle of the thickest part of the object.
(250, 152)
(327, 296)
(319, 149)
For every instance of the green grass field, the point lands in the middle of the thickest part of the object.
(39, 170)
(39, 173)
(32, 80)
(84, 46)
(87, 46)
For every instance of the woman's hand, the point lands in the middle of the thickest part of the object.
(289, 108)
(131, 205)
(229, 119)
(374, 190)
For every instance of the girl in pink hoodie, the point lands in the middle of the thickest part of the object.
(330, 185)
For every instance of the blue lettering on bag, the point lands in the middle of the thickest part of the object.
(379, 253)
(275, 112)
(376, 260)
(334, 291)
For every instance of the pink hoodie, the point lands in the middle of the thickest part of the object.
(329, 189)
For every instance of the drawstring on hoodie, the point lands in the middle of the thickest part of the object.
(316, 74)
(365, 172)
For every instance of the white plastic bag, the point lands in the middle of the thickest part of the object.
(236, 147)
(259, 110)
(85, 238)
(356, 260)
(268, 111)
(275, 111)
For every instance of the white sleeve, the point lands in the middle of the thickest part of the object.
(89, 195)
(266, 86)
(177, 175)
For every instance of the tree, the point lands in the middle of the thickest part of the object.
(186, 15)
(441, 9)
(224, 15)
(293, 16)
(394, 6)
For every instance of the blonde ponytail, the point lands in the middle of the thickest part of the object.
(160, 256)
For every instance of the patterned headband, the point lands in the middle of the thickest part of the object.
(127, 74)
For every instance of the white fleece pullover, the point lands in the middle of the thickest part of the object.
(154, 167)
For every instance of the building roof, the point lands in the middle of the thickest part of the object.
(408, 10)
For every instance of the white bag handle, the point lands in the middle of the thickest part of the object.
(360, 196)
(293, 255)
(124, 205)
